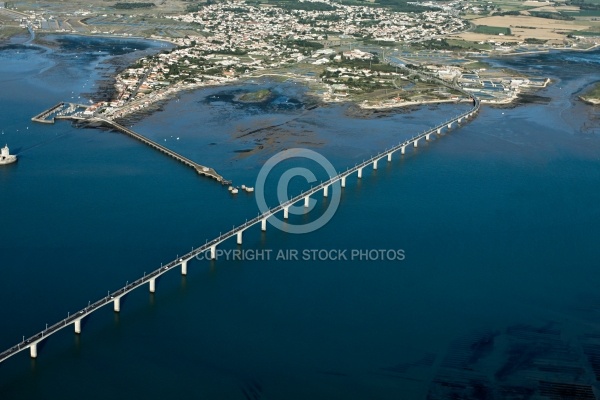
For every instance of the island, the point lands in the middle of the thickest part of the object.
(592, 95)
(258, 96)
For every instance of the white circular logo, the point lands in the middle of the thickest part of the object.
(334, 190)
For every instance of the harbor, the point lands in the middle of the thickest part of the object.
(63, 110)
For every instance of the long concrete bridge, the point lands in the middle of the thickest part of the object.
(210, 247)
(200, 169)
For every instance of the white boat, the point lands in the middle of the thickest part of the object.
(6, 157)
(234, 191)
(249, 189)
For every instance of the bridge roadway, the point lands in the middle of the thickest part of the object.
(200, 169)
(115, 297)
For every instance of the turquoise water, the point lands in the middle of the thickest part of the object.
(498, 222)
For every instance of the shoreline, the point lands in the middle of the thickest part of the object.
(142, 104)
(592, 101)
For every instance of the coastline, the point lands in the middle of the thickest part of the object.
(150, 101)
(593, 101)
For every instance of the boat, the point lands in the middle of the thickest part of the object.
(234, 191)
(249, 189)
(6, 157)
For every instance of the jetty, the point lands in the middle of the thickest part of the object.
(62, 110)
(200, 169)
(75, 112)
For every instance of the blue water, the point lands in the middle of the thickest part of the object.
(498, 221)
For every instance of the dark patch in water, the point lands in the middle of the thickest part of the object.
(274, 102)
(252, 390)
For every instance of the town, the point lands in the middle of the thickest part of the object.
(342, 52)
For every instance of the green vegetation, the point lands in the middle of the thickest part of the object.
(584, 13)
(512, 12)
(380, 43)
(592, 95)
(307, 6)
(477, 65)
(449, 44)
(305, 45)
(467, 45)
(583, 5)
(535, 41)
(491, 30)
(583, 33)
(552, 15)
(131, 6)
(402, 6)
(255, 97)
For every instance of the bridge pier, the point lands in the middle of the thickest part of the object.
(450, 125)
(306, 201)
(325, 190)
(263, 225)
(389, 157)
(344, 181)
(117, 304)
(375, 164)
(439, 131)
(33, 350)
(427, 137)
(360, 172)
(416, 143)
(77, 326)
(286, 212)
(184, 267)
(239, 237)
(459, 120)
(152, 284)
(213, 252)
(403, 150)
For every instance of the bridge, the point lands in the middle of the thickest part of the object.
(114, 298)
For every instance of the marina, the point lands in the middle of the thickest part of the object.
(63, 110)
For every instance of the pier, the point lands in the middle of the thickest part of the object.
(200, 169)
(210, 247)
(67, 111)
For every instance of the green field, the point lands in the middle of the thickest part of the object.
(593, 91)
(491, 30)
(585, 33)
(584, 13)
(467, 45)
